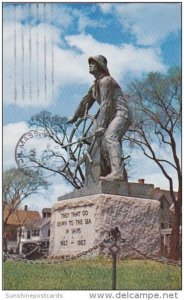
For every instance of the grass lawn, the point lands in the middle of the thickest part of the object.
(91, 274)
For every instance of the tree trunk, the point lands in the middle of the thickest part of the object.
(175, 243)
(5, 240)
(19, 240)
(5, 244)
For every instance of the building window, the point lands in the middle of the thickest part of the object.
(162, 225)
(28, 234)
(48, 232)
(22, 234)
(36, 232)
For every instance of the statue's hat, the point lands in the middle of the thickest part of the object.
(101, 61)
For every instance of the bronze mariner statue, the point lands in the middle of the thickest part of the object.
(112, 121)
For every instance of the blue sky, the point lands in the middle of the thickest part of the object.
(136, 38)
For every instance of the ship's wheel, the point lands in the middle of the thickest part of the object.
(81, 142)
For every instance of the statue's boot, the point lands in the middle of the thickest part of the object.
(117, 171)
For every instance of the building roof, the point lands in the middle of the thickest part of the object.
(48, 210)
(20, 216)
(37, 224)
(158, 194)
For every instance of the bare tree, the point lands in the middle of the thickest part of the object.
(17, 186)
(156, 131)
(56, 159)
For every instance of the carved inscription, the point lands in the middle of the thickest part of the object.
(75, 228)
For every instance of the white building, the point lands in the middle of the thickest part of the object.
(35, 230)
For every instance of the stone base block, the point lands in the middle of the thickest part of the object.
(115, 187)
(81, 223)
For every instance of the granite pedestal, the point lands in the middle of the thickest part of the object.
(79, 223)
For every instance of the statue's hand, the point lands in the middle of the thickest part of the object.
(100, 131)
(72, 120)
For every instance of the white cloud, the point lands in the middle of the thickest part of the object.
(123, 60)
(70, 65)
(25, 81)
(47, 199)
(25, 61)
(24, 64)
(106, 7)
(25, 78)
(84, 21)
(11, 136)
(150, 23)
(35, 13)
